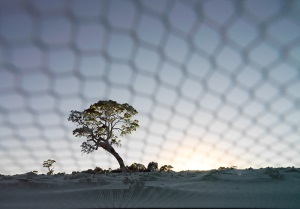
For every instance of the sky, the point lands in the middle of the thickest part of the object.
(216, 83)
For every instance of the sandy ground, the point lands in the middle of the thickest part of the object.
(258, 188)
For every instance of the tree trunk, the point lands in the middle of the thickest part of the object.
(112, 151)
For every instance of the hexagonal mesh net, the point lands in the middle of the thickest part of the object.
(216, 83)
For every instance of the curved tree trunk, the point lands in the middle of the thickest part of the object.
(112, 151)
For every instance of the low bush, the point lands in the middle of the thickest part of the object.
(152, 166)
(98, 170)
(227, 168)
(166, 168)
(61, 174)
(89, 171)
(137, 167)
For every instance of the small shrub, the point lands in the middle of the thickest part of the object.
(36, 172)
(48, 164)
(227, 168)
(98, 170)
(137, 167)
(89, 171)
(61, 174)
(152, 166)
(291, 169)
(30, 174)
(166, 168)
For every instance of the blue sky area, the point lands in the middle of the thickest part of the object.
(216, 83)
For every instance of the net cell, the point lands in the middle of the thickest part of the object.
(88, 9)
(48, 119)
(219, 11)
(55, 30)
(7, 79)
(198, 66)
(146, 60)
(176, 49)
(20, 118)
(120, 74)
(191, 89)
(182, 17)
(90, 37)
(62, 84)
(142, 104)
(126, 11)
(263, 9)
(185, 107)
(120, 94)
(120, 46)
(242, 32)
(156, 5)
(218, 82)
(282, 105)
(237, 96)
(27, 57)
(210, 102)
(170, 75)
(264, 54)
(249, 77)
(29, 132)
(161, 113)
(94, 89)
(144, 84)
(16, 26)
(253, 108)
(166, 96)
(266, 91)
(150, 30)
(35, 83)
(12, 101)
(279, 29)
(202, 117)
(229, 59)
(207, 39)
(227, 112)
(48, 7)
(41, 102)
(61, 61)
(92, 66)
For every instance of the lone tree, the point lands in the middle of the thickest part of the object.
(48, 164)
(101, 124)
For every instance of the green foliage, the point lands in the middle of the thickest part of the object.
(167, 168)
(152, 166)
(103, 121)
(48, 164)
(227, 168)
(137, 167)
